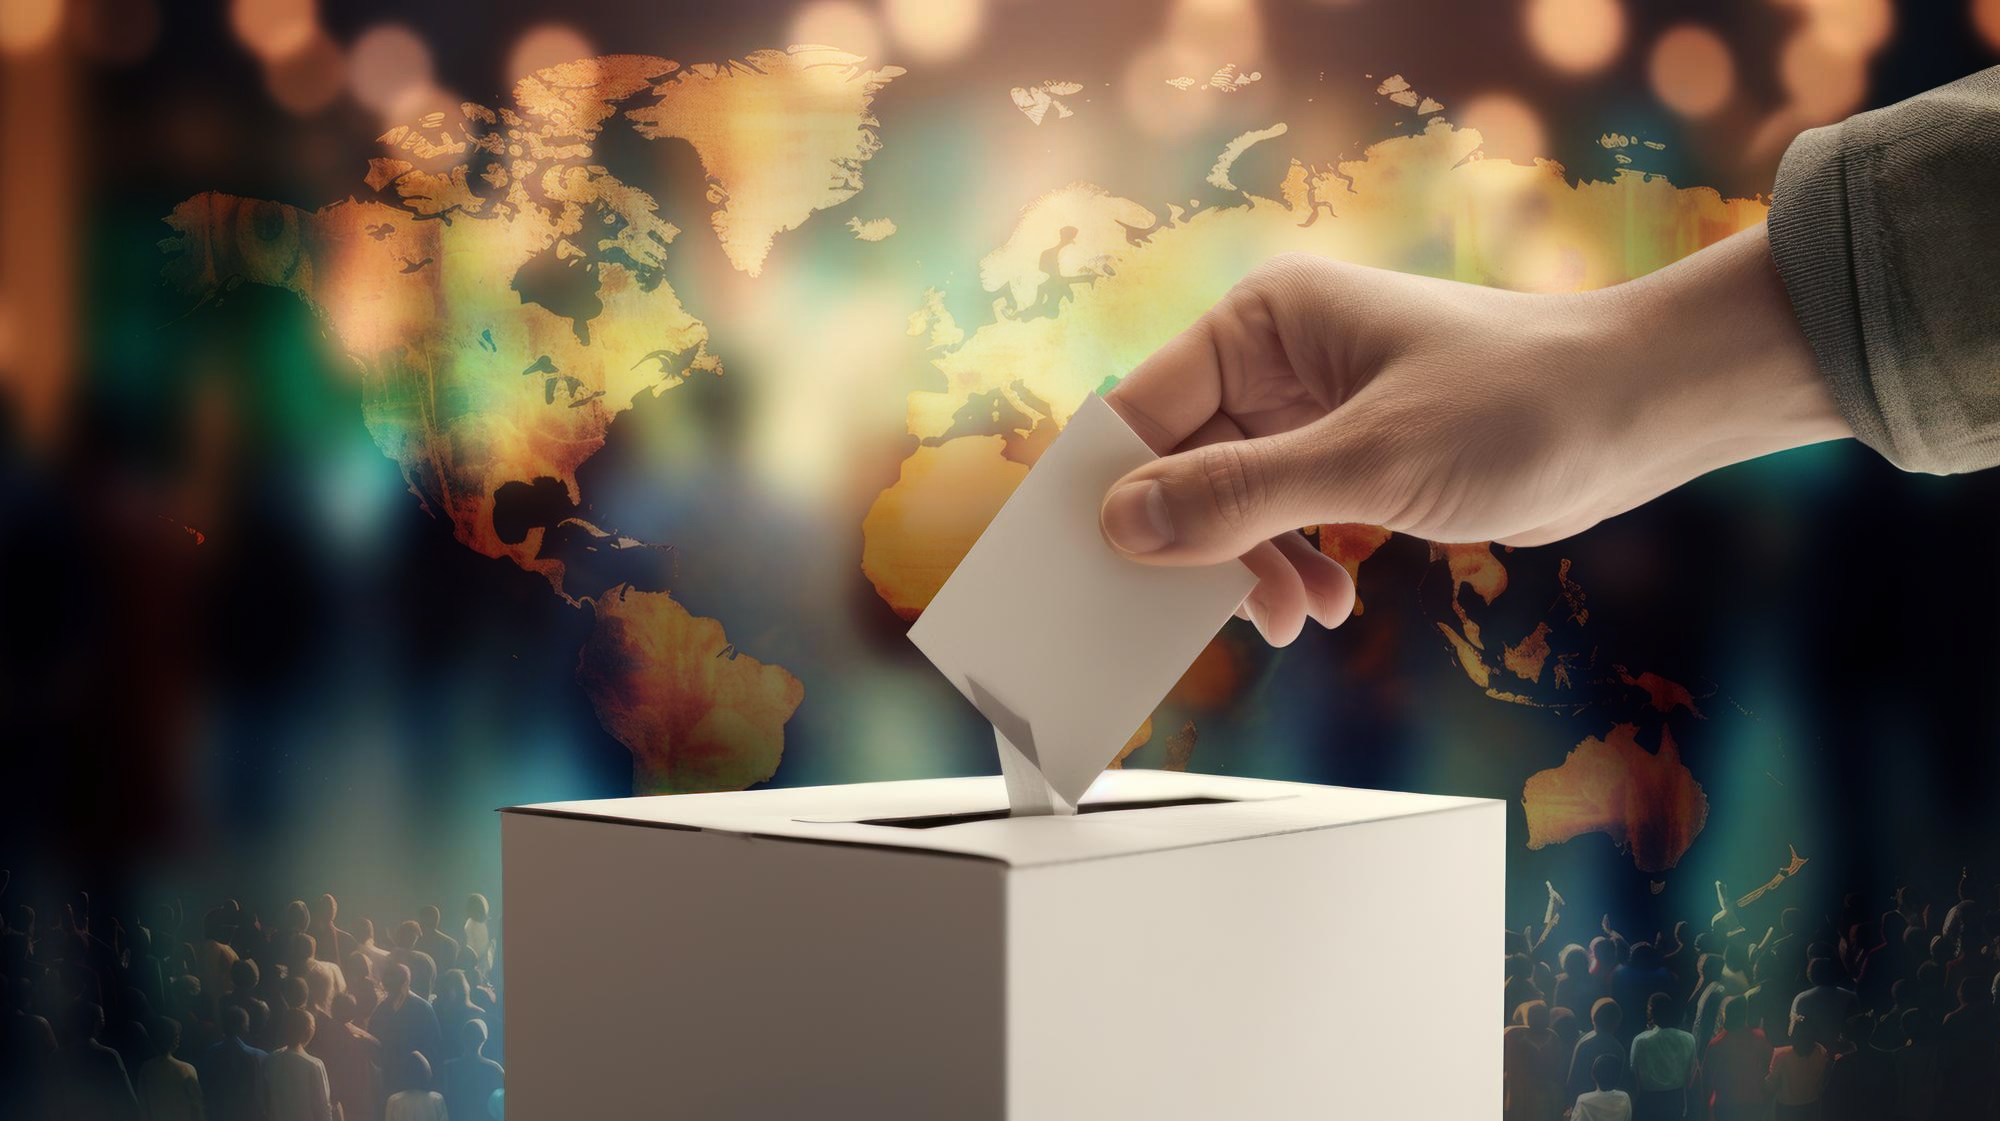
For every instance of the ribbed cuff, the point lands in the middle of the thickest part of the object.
(1813, 246)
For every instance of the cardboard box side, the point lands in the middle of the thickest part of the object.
(1258, 807)
(1312, 974)
(662, 972)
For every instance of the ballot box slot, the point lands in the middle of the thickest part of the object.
(935, 821)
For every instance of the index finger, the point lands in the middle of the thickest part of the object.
(1176, 390)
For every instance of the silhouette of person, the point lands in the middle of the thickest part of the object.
(414, 1100)
(95, 1084)
(405, 1021)
(442, 947)
(1797, 1077)
(1606, 1018)
(1607, 1101)
(454, 1007)
(245, 982)
(1734, 1065)
(169, 1089)
(360, 974)
(353, 1059)
(1530, 1063)
(1663, 1064)
(332, 943)
(1820, 1010)
(470, 1080)
(1574, 988)
(231, 1072)
(1705, 1007)
(1635, 982)
(295, 1086)
(421, 966)
(478, 932)
(378, 955)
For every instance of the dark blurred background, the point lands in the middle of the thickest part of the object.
(237, 658)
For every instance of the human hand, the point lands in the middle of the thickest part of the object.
(1319, 392)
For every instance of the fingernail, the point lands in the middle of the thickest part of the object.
(1135, 518)
(1257, 616)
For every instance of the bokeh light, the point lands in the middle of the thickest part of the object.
(1509, 127)
(274, 28)
(550, 44)
(1986, 18)
(1691, 71)
(1850, 27)
(310, 78)
(1824, 84)
(1577, 36)
(934, 30)
(28, 25)
(1156, 108)
(428, 107)
(838, 23)
(1224, 30)
(388, 64)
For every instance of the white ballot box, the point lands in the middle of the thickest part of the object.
(1188, 946)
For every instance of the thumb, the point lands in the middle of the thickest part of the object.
(1216, 502)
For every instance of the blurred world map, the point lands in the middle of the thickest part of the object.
(502, 296)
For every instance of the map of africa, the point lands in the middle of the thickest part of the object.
(502, 299)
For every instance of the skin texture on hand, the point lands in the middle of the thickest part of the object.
(1322, 392)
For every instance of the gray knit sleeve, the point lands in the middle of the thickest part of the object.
(1886, 230)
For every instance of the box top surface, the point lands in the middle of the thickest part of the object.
(967, 816)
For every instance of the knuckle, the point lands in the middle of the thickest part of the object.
(1231, 479)
(1296, 289)
(1289, 271)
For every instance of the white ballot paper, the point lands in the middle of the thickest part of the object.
(1063, 644)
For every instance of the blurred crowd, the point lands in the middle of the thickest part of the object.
(225, 1015)
(315, 1016)
(1863, 1015)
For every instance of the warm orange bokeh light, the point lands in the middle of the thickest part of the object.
(308, 79)
(1825, 85)
(1508, 127)
(1986, 17)
(1855, 28)
(932, 30)
(1691, 71)
(550, 44)
(1156, 108)
(388, 63)
(1221, 30)
(274, 29)
(838, 23)
(1578, 36)
(28, 25)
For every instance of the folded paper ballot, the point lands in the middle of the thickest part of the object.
(1061, 643)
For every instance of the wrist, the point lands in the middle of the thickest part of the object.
(1722, 372)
